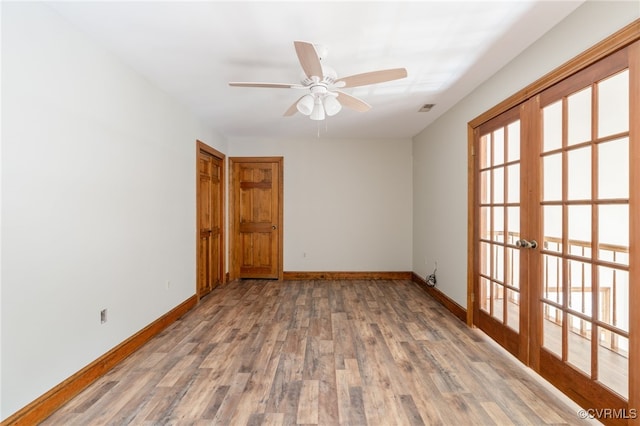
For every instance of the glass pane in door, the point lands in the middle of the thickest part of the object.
(485, 295)
(552, 130)
(513, 267)
(498, 264)
(579, 230)
(613, 115)
(513, 138)
(613, 303)
(497, 298)
(513, 183)
(498, 224)
(579, 343)
(513, 309)
(552, 177)
(553, 290)
(580, 286)
(578, 122)
(613, 362)
(613, 174)
(552, 329)
(498, 147)
(579, 174)
(513, 224)
(485, 187)
(498, 185)
(613, 231)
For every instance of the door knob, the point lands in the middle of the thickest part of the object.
(527, 244)
(274, 227)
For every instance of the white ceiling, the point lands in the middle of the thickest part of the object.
(191, 50)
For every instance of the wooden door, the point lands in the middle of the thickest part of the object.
(556, 234)
(210, 208)
(502, 292)
(584, 274)
(256, 194)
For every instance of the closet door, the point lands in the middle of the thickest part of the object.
(210, 208)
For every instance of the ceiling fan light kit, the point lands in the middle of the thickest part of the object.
(318, 111)
(305, 104)
(323, 97)
(331, 105)
(316, 105)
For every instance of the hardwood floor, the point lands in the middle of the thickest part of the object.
(317, 352)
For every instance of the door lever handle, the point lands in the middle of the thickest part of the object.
(527, 244)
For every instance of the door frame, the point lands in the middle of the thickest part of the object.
(619, 40)
(203, 147)
(234, 263)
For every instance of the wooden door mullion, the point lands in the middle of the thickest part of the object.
(530, 225)
(566, 295)
(505, 223)
(634, 230)
(492, 228)
(595, 237)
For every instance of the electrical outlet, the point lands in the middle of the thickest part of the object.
(431, 279)
(103, 316)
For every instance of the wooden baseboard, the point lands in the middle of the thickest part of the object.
(444, 300)
(55, 398)
(334, 275)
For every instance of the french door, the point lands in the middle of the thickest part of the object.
(500, 288)
(556, 270)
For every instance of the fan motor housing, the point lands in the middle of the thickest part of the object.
(318, 89)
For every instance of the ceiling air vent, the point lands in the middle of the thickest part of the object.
(426, 107)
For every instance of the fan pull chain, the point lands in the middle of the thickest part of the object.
(326, 127)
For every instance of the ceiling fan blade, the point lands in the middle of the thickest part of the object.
(308, 58)
(372, 77)
(268, 85)
(293, 108)
(352, 102)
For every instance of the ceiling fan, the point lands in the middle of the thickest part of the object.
(322, 84)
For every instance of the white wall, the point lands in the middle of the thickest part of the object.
(347, 203)
(440, 151)
(98, 202)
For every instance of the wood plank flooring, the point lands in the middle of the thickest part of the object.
(317, 352)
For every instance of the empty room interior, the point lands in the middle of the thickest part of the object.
(362, 213)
